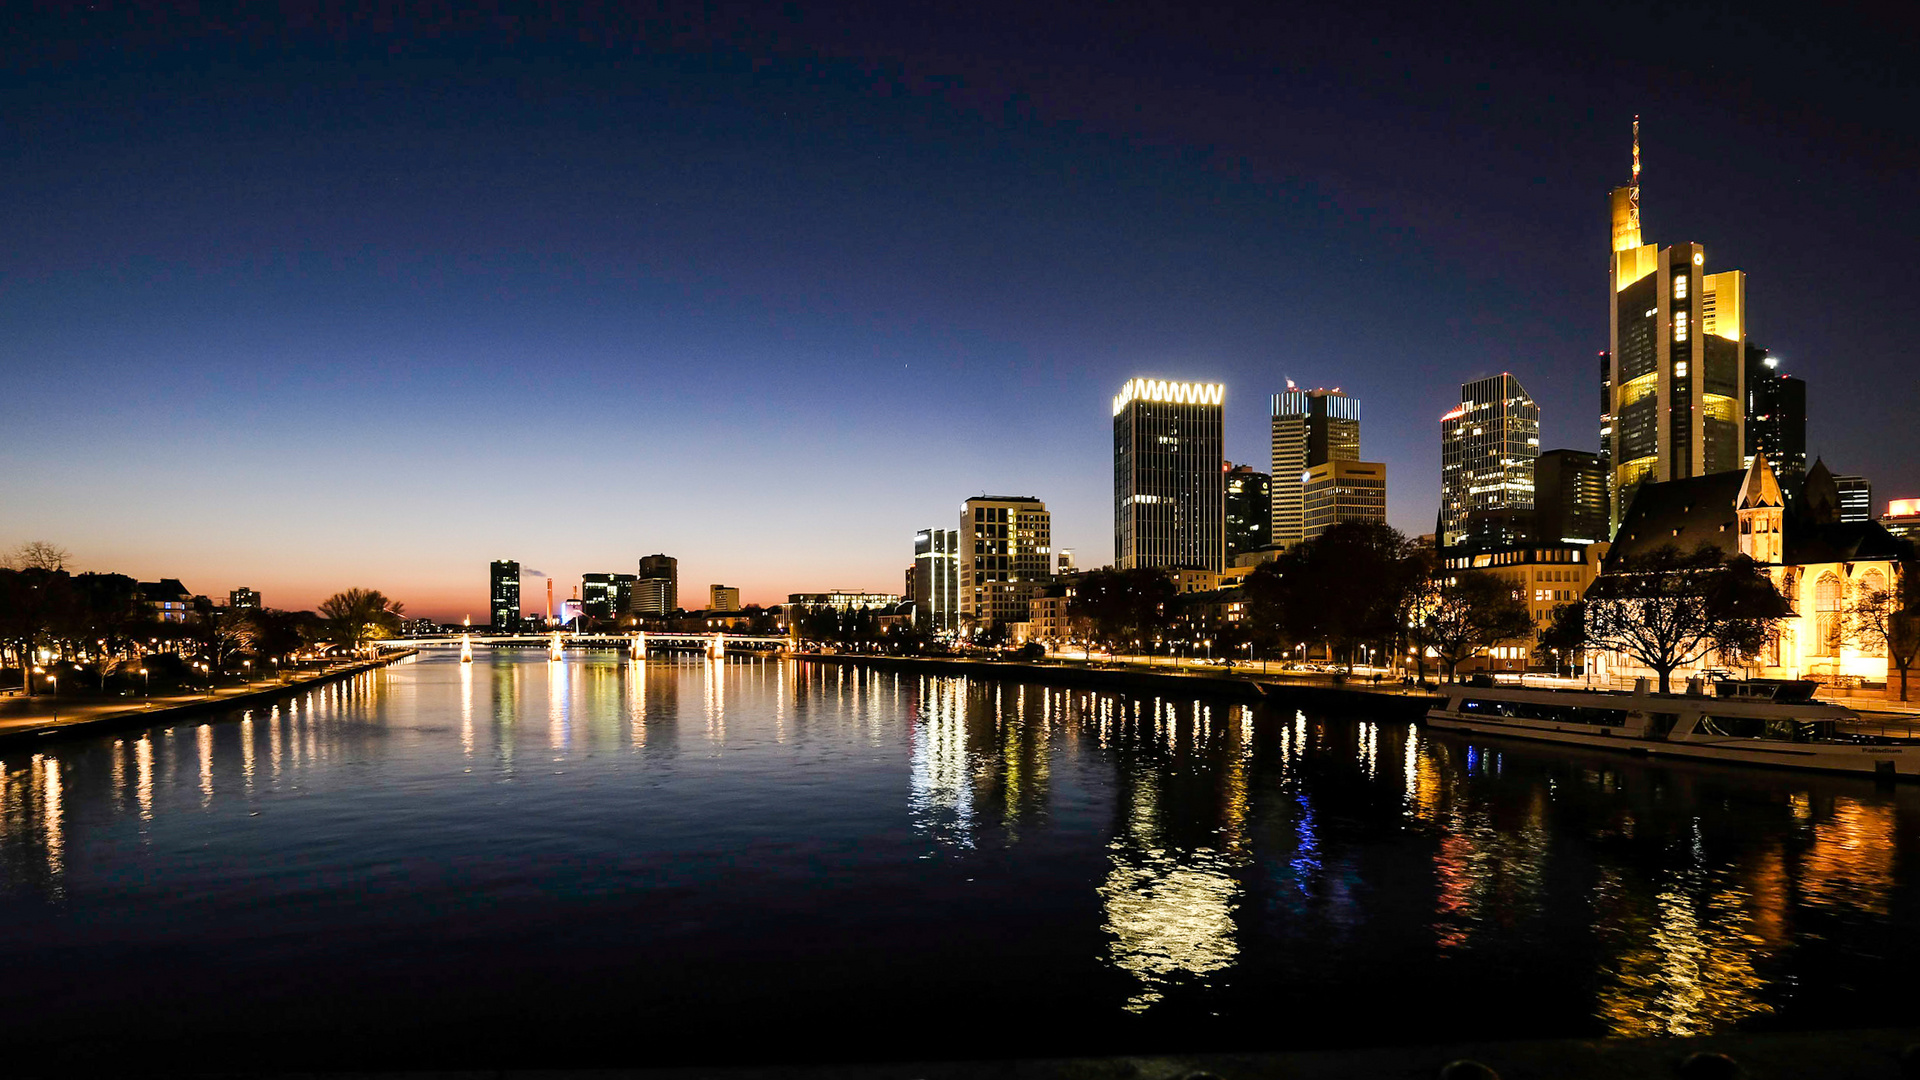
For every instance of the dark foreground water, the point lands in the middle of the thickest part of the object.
(596, 862)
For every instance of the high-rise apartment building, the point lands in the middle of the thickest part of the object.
(1570, 492)
(243, 599)
(1338, 491)
(1678, 342)
(1006, 557)
(1168, 494)
(1487, 447)
(1310, 427)
(503, 596)
(723, 598)
(1776, 419)
(1249, 503)
(936, 580)
(657, 591)
(1856, 498)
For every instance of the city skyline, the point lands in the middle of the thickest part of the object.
(356, 313)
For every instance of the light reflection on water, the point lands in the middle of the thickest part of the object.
(1147, 864)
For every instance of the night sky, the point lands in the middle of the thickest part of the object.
(369, 301)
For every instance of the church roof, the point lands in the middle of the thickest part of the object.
(1760, 488)
(1703, 511)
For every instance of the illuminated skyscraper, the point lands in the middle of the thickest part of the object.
(1168, 492)
(936, 579)
(1249, 509)
(1310, 427)
(1487, 447)
(504, 596)
(1006, 557)
(1856, 498)
(1776, 419)
(657, 592)
(1677, 336)
(1340, 490)
(1570, 497)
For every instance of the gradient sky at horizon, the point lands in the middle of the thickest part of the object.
(372, 303)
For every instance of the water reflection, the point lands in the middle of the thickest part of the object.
(1187, 857)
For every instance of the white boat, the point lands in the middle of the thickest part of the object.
(1746, 724)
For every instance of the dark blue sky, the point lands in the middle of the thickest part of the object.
(371, 302)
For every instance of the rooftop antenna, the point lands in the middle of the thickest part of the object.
(1633, 193)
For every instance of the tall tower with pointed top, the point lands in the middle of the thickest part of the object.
(1676, 376)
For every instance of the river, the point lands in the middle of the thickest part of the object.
(597, 862)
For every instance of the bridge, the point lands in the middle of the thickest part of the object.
(635, 644)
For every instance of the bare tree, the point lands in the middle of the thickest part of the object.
(1889, 620)
(225, 632)
(1460, 614)
(38, 555)
(1667, 609)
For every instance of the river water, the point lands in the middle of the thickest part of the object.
(524, 862)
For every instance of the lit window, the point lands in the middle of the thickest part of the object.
(1679, 326)
(1680, 287)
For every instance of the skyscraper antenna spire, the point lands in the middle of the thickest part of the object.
(1633, 194)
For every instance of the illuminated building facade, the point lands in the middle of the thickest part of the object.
(657, 590)
(1856, 498)
(1487, 447)
(723, 598)
(1903, 518)
(1340, 491)
(1570, 497)
(1678, 344)
(1776, 419)
(605, 596)
(243, 599)
(1249, 506)
(1169, 496)
(936, 580)
(503, 595)
(1006, 558)
(843, 600)
(1544, 575)
(1310, 427)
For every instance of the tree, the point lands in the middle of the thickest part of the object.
(1889, 620)
(38, 555)
(1667, 609)
(32, 601)
(1347, 587)
(1566, 629)
(226, 631)
(1131, 607)
(1460, 614)
(358, 616)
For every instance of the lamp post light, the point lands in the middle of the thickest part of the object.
(146, 685)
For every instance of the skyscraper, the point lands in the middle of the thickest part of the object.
(1168, 494)
(1006, 557)
(723, 598)
(1776, 419)
(1487, 447)
(605, 596)
(657, 592)
(1249, 508)
(936, 580)
(1677, 339)
(1338, 491)
(504, 596)
(1310, 427)
(1570, 497)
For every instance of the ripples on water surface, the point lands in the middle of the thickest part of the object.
(522, 862)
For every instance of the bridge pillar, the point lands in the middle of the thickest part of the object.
(718, 649)
(553, 646)
(638, 650)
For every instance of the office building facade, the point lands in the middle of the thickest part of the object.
(936, 580)
(1570, 497)
(1856, 498)
(1309, 427)
(723, 598)
(1338, 491)
(1776, 419)
(657, 590)
(243, 599)
(606, 596)
(1006, 557)
(1249, 507)
(1168, 490)
(1488, 444)
(1677, 338)
(503, 595)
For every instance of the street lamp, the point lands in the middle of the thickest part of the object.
(146, 685)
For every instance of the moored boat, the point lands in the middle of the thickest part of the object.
(1749, 724)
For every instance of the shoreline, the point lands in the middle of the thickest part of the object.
(16, 732)
(1242, 687)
